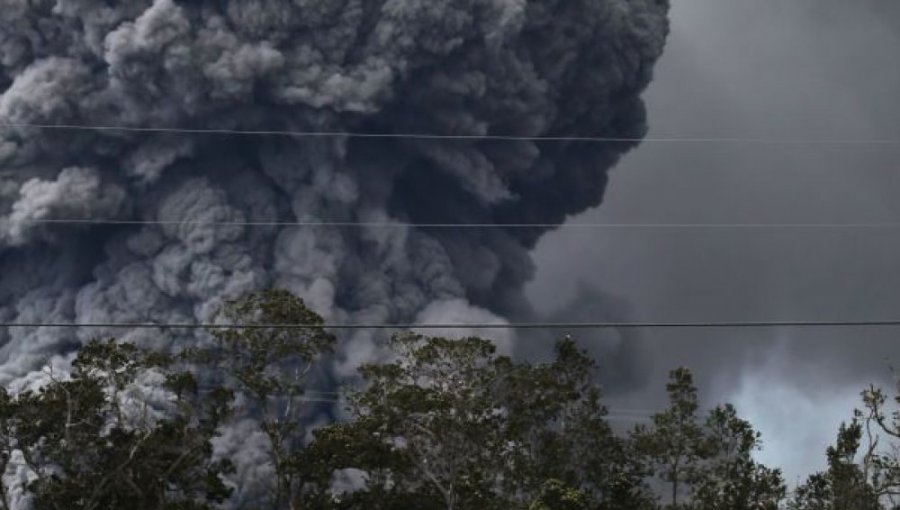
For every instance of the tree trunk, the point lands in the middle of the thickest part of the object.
(675, 485)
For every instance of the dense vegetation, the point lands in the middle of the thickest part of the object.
(444, 424)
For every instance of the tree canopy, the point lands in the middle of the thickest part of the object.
(443, 424)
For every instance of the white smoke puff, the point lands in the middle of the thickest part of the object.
(360, 348)
(307, 262)
(31, 347)
(97, 19)
(156, 44)
(146, 400)
(47, 91)
(77, 193)
(458, 311)
(16, 479)
(436, 27)
(248, 448)
(264, 18)
(232, 66)
(159, 26)
(240, 69)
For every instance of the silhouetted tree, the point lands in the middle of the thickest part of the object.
(706, 464)
(843, 486)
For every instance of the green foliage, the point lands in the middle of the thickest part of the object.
(268, 355)
(267, 360)
(862, 473)
(844, 485)
(89, 445)
(674, 447)
(881, 466)
(443, 425)
(729, 477)
(450, 421)
(555, 495)
(438, 409)
(707, 465)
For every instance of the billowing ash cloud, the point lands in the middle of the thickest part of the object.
(467, 67)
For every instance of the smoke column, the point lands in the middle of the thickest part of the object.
(449, 67)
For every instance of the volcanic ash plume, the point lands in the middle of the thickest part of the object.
(528, 68)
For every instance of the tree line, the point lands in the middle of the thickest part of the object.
(444, 424)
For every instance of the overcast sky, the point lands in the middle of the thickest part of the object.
(770, 69)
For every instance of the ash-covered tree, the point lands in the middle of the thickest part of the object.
(436, 413)
(267, 349)
(93, 439)
(451, 425)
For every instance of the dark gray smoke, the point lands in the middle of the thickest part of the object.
(469, 67)
(450, 67)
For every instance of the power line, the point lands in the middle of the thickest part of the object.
(431, 136)
(633, 414)
(514, 325)
(389, 225)
(622, 415)
(613, 414)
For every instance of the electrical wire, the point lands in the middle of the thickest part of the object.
(401, 225)
(432, 136)
(613, 414)
(513, 325)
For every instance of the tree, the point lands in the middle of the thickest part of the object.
(267, 359)
(451, 425)
(844, 485)
(706, 464)
(556, 495)
(729, 477)
(556, 408)
(674, 446)
(862, 473)
(881, 466)
(91, 439)
(437, 407)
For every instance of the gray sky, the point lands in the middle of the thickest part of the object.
(773, 69)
